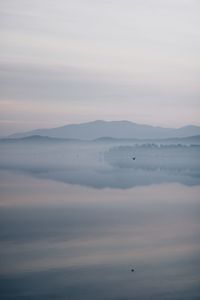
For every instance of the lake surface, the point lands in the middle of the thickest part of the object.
(76, 219)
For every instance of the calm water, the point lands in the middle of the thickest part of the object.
(75, 219)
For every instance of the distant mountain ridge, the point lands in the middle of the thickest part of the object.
(37, 139)
(112, 129)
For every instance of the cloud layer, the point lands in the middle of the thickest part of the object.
(136, 60)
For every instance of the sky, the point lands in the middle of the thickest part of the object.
(74, 61)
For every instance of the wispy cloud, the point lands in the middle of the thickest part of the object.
(100, 54)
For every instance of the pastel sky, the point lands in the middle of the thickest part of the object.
(71, 61)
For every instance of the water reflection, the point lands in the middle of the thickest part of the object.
(105, 166)
(71, 241)
(66, 249)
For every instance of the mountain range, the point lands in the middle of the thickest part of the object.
(112, 129)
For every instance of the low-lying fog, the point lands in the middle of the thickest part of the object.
(104, 164)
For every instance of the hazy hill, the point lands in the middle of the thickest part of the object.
(113, 129)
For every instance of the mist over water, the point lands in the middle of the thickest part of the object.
(106, 164)
(76, 217)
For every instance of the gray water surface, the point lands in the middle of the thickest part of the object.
(75, 219)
